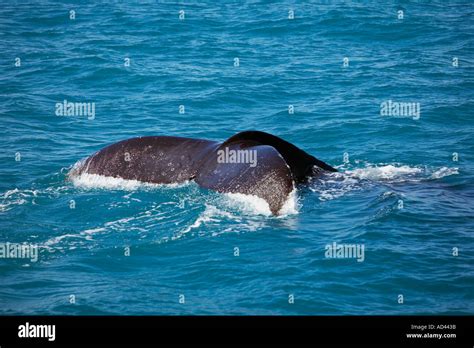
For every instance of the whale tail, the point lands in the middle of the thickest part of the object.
(270, 167)
(301, 163)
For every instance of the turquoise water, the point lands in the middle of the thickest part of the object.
(404, 192)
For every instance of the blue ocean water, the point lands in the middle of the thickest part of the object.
(404, 191)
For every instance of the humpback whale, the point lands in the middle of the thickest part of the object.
(249, 162)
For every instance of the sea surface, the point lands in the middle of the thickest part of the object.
(404, 191)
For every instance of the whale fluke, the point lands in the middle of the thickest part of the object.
(250, 162)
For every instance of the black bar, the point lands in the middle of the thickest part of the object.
(139, 330)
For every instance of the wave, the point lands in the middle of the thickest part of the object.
(335, 185)
(443, 172)
(212, 218)
(210, 214)
(12, 198)
(17, 197)
(384, 172)
(135, 223)
(399, 173)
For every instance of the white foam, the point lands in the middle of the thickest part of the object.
(86, 180)
(55, 240)
(444, 171)
(253, 205)
(9, 193)
(384, 172)
(291, 206)
(15, 197)
(335, 185)
(249, 204)
(7, 206)
(20, 193)
(214, 215)
(207, 215)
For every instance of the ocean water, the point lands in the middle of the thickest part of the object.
(404, 191)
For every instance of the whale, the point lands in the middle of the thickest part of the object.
(250, 162)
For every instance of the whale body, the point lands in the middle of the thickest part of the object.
(250, 162)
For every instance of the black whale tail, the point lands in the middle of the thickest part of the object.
(300, 162)
(270, 175)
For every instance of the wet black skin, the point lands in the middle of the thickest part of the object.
(279, 167)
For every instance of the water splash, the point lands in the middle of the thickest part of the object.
(335, 185)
